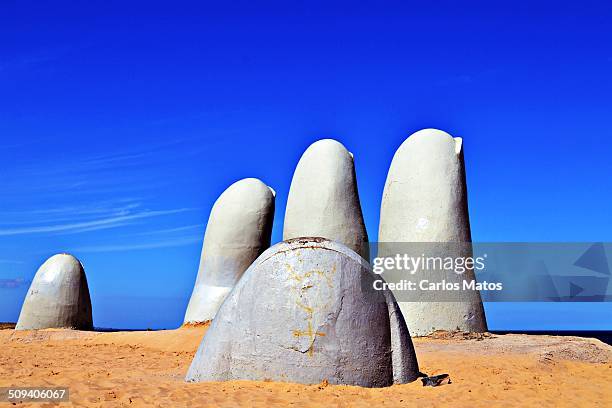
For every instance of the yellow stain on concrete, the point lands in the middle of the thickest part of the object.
(308, 309)
(310, 334)
(299, 289)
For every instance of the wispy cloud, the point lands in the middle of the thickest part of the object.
(96, 191)
(10, 261)
(110, 159)
(104, 223)
(39, 57)
(170, 230)
(84, 212)
(27, 61)
(13, 283)
(20, 143)
(132, 247)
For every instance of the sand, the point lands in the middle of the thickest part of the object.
(147, 369)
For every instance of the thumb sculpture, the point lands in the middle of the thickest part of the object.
(238, 231)
(323, 199)
(425, 200)
(58, 297)
(305, 312)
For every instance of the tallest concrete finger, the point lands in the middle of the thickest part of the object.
(425, 201)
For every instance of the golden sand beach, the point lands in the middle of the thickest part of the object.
(146, 368)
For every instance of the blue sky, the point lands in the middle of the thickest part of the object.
(121, 122)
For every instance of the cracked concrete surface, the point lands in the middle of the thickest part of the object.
(272, 327)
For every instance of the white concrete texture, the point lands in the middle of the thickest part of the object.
(304, 312)
(323, 198)
(58, 297)
(238, 231)
(405, 365)
(425, 200)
